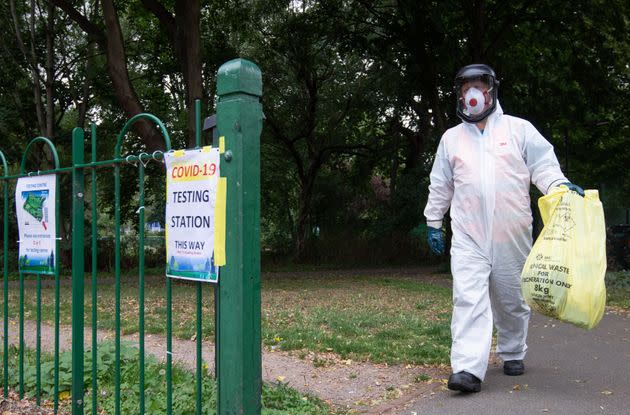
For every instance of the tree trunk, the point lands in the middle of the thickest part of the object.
(82, 101)
(50, 72)
(307, 183)
(185, 35)
(125, 93)
(301, 235)
(112, 44)
(30, 56)
(188, 50)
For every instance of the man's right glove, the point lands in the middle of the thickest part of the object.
(574, 187)
(435, 239)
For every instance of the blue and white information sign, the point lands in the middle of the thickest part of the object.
(35, 211)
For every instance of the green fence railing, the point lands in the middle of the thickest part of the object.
(237, 296)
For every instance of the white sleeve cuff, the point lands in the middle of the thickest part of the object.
(435, 224)
(556, 183)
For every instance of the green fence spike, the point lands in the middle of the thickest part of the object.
(94, 274)
(198, 390)
(141, 284)
(78, 270)
(5, 245)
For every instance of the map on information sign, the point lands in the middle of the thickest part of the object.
(34, 203)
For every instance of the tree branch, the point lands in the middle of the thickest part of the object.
(508, 24)
(32, 64)
(167, 20)
(289, 145)
(117, 67)
(83, 22)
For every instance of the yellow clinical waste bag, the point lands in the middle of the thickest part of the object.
(563, 276)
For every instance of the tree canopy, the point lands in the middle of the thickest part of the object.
(356, 95)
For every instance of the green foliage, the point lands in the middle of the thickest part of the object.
(356, 96)
(618, 289)
(277, 399)
(618, 280)
(280, 399)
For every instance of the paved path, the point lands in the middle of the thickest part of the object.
(568, 371)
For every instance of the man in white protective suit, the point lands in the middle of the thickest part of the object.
(482, 171)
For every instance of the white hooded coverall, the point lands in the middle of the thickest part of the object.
(485, 178)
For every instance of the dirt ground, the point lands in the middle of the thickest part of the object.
(14, 406)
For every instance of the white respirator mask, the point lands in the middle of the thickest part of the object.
(474, 101)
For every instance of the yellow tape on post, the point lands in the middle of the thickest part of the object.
(219, 223)
(221, 145)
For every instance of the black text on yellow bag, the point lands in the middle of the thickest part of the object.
(563, 276)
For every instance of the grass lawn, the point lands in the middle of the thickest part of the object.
(392, 319)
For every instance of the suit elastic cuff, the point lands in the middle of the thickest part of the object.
(437, 224)
(555, 183)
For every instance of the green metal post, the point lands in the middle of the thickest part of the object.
(22, 345)
(94, 274)
(239, 120)
(117, 288)
(141, 283)
(5, 357)
(169, 347)
(57, 287)
(78, 270)
(199, 384)
(199, 283)
(38, 343)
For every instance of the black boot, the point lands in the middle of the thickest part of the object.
(464, 382)
(513, 367)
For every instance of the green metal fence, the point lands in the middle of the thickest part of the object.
(237, 296)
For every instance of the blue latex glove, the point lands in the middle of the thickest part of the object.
(575, 188)
(435, 239)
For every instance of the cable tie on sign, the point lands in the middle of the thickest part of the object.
(155, 156)
(140, 208)
(59, 239)
(171, 353)
(144, 164)
(130, 162)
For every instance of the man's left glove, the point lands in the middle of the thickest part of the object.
(574, 187)
(435, 239)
